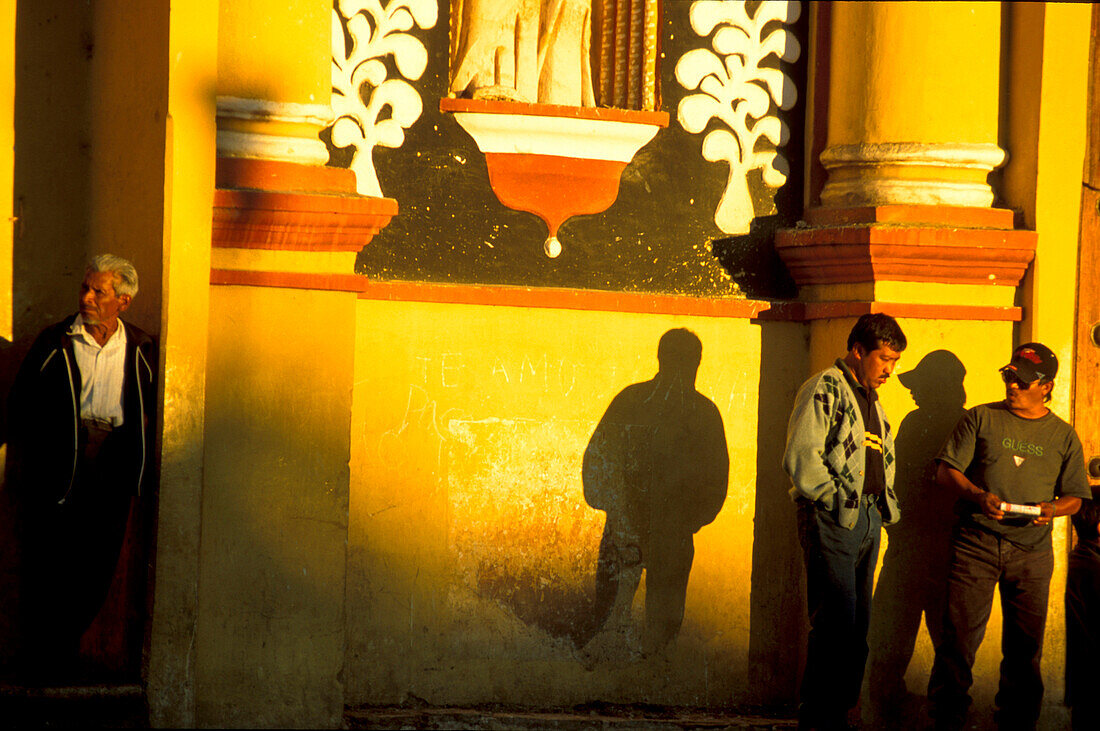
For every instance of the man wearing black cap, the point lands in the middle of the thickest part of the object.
(1015, 466)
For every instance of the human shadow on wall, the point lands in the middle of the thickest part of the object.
(658, 465)
(913, 579)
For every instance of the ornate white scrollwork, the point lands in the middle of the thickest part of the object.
(738, 91)
(361, 91)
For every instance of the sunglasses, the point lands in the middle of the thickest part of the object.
(1009, 378)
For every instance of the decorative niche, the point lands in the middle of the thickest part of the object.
(559, 96)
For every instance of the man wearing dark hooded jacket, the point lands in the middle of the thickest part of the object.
(81, 412)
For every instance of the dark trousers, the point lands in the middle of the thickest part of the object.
(666, 559)
(981, 561)
(840, 573)
(70, 553)
(1083, 635)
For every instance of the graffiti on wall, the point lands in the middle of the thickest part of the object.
(557, 518)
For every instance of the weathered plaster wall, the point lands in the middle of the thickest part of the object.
(7, 163)
(188, 193)
(126, 194)
(7, 166)
(270, 631)
(472, 550)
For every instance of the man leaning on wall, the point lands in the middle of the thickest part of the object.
(1015, 466)
(840, 457)
(81, 414)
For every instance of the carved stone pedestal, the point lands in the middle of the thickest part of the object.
(907, 243)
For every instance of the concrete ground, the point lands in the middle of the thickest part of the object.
(91, 706)
(601, 718)
(123, 706)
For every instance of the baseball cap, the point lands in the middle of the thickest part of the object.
(1032, 362)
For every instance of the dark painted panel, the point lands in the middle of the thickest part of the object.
(659, 236)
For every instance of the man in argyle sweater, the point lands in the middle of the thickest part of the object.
(840, 457)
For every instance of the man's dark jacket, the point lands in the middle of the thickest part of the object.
(44, 416)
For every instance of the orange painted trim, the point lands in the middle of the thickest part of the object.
(835, 310)
(951, 216)
(901, 252)
(486, 106)
(289, 280)
(279, 221)
(278, 175)
(917, 237)
(657, 304)
(564, 299)
(298, 202)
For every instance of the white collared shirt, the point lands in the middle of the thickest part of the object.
(101, 372)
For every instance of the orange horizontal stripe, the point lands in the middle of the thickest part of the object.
(289, 280)
(569, 299)
(583, 299)
(596, 300)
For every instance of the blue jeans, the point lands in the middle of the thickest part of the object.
(840, 575)
(980, 562)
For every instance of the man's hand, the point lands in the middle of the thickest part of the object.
(949, 477)
(1046, 516)
(990, 505)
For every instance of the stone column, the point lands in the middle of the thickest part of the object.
(286, 231)
(913, 102)
(912, 115)
(274, 101)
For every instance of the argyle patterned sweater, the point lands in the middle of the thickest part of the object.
(825, 455)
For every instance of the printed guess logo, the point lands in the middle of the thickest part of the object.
(1022, 447)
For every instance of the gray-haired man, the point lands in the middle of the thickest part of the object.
(81, 413)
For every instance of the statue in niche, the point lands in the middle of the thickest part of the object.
(522, 51)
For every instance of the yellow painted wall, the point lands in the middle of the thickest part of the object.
(7, 160)
(125, 192)
(270, 636)
(187, 192)
(1046, 128)
(472, 551)
(52, 166)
